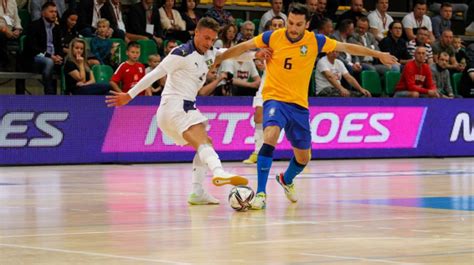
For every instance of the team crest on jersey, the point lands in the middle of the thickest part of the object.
(303, 50)
(209, 63)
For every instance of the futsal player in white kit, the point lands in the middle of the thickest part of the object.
(186, 68)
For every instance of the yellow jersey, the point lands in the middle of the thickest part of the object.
(289, 70)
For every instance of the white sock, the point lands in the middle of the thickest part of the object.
(258, 136)
(209, 156)
(199, 173)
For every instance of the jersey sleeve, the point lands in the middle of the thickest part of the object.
(263, 40)
(117, 76)
(325, 44)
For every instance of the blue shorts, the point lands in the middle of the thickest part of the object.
(291, 117)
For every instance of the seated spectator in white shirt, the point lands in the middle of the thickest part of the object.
(379, 20)
(172, 22)
(442, 21)
(277, 7)
(329, 72)
(245, 77)
(417, 19)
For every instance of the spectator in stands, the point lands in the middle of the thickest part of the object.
(212, 81)
(395, 44)
(318, 15)
(247, 31)
(90, 12)
(470, 19)
(326, 27)
(416, 80)
(43, 42)
(169, 45)
(422, 36)
(329, 73)
(312, 7)
(34, 8)
(190, 15)
(345, 29)
(379, 20)
(276, 10)
(242, 73)
(68, 26)
(129, 72)
(101, 45)
(459, 6)
(357, 6)
(461, 55)
(143, 21)
(417, 19)
(79, 77)
(442, 21)
(113, 13)
(441, 76)
(227, 36)
(10, 28)
(172, 23)
(445, 44)
(218, 13)
(467, 81)
(153, 61)
(363, 37)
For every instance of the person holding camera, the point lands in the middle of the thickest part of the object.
(242, 78)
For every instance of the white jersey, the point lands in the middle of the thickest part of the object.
(185, 69)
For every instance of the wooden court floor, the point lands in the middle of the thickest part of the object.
(398, 211)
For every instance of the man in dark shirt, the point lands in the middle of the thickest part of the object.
(395, 44)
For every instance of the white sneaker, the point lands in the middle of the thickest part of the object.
(229, 178)
(259, 201)
(203, 199)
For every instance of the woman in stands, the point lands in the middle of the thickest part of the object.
(189, 14)
(68, 25)
(78, 75)
(227, 36)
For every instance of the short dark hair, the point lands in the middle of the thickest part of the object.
(299, 9)
(363, 19)
(344, 25)
(419, 2)
(47, 4)
(323, 22)
(446, 4)
(210, 23)
(133, 44)
(393, 23)
(423, 28)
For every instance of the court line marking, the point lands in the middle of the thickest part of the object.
(93, 254)
(356, 258)
(276, 223)
(349, 238)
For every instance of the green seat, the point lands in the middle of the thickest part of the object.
(391, 81)
(25, 18)
(64, 90)
(102, 73)
(456, 82)
(147, 48)
(256, 22)
(22, 42)
(312, 84)
(371, 81)
(122, 52)
(238, 22)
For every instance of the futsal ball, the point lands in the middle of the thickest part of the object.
(240, 198)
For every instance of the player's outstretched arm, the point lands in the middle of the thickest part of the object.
(117, 99)
(235, 51)
(354, 49)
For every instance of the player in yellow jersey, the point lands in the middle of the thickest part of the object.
(285, 92)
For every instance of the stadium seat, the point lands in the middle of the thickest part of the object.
(456, 82)
(256, 22)
(25, 18)
(147, 48)
(312, 84)
(122, 47)
(64, 91)
(102, 73)
(391, 80)
(371, 81)
(238, 22)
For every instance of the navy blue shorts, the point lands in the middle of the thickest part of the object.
(291, 117)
